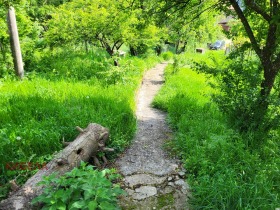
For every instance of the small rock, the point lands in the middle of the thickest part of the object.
(174, 166)
(182, 174)
(182, 184)
(171, 184)
(144, 192)
(129, 191)
(177, 177)
(167, 190)
(169, 178)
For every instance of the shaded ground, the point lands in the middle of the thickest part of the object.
(152, 179)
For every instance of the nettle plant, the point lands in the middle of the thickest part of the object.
(82, 188)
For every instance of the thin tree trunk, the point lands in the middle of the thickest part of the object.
(14, 41)
(177, 47)
(86, 46)
(132, 50)
(3, 52)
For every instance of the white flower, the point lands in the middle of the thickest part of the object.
(18, 138)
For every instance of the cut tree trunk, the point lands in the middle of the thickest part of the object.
(86, 145)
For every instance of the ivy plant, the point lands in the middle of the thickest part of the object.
(81, 188)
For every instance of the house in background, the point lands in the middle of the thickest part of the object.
(225, 23)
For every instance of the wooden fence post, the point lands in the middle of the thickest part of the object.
(14, 41)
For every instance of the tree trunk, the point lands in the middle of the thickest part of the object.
(86, 145)
(177, 47)
(158, 50)
(109, 51)
(183, 49)
(132, 50)
(14, 41)
(268, 81)
(3, 51)
(86, 46)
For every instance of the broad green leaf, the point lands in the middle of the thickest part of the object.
(77, 205)
(107, 206)
(61, 205)
(92, 205)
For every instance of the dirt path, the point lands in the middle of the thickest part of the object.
(152, 179)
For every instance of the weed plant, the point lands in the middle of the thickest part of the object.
(81, 188)
(222, 171)
(36, 114)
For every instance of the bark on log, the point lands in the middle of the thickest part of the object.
(86, 145)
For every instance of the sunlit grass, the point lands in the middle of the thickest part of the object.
(36, 114)
(222, 172)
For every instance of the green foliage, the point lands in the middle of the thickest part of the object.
(82, 188)
(65, 64)
(212, 62)
(223, 172)
(239, 81)
(146, 36)
(240, 86)
(167, 55)
(107, 23)
(185, 29)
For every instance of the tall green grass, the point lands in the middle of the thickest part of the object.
(36, 114)
(223, 173)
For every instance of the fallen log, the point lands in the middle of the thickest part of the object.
(86, 145)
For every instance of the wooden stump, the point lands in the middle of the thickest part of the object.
(86, 145)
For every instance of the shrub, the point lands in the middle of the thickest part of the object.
(167, 55)
(239, 81)
(82, 188)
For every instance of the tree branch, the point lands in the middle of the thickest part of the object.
(258, 10)
(247, 27)
(176, 4)
(206, 9)
(271, 41)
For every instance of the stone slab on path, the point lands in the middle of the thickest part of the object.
(151, 177)
(142, 179)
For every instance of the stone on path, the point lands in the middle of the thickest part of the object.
(144, 192)
(143, 179)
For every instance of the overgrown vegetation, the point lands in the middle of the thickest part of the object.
(227, 130)
(82, 188)
(225, 172)
(66, 90)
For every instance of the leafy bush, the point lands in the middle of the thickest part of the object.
(240, 87)
(223, 172)
(167, 55)
(82, 188)
(239, 81)
(212, 62)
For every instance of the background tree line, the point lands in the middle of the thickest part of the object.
(105, 24)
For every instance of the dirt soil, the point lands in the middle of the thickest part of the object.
(152, 178)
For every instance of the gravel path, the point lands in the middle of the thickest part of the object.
(152, 179)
